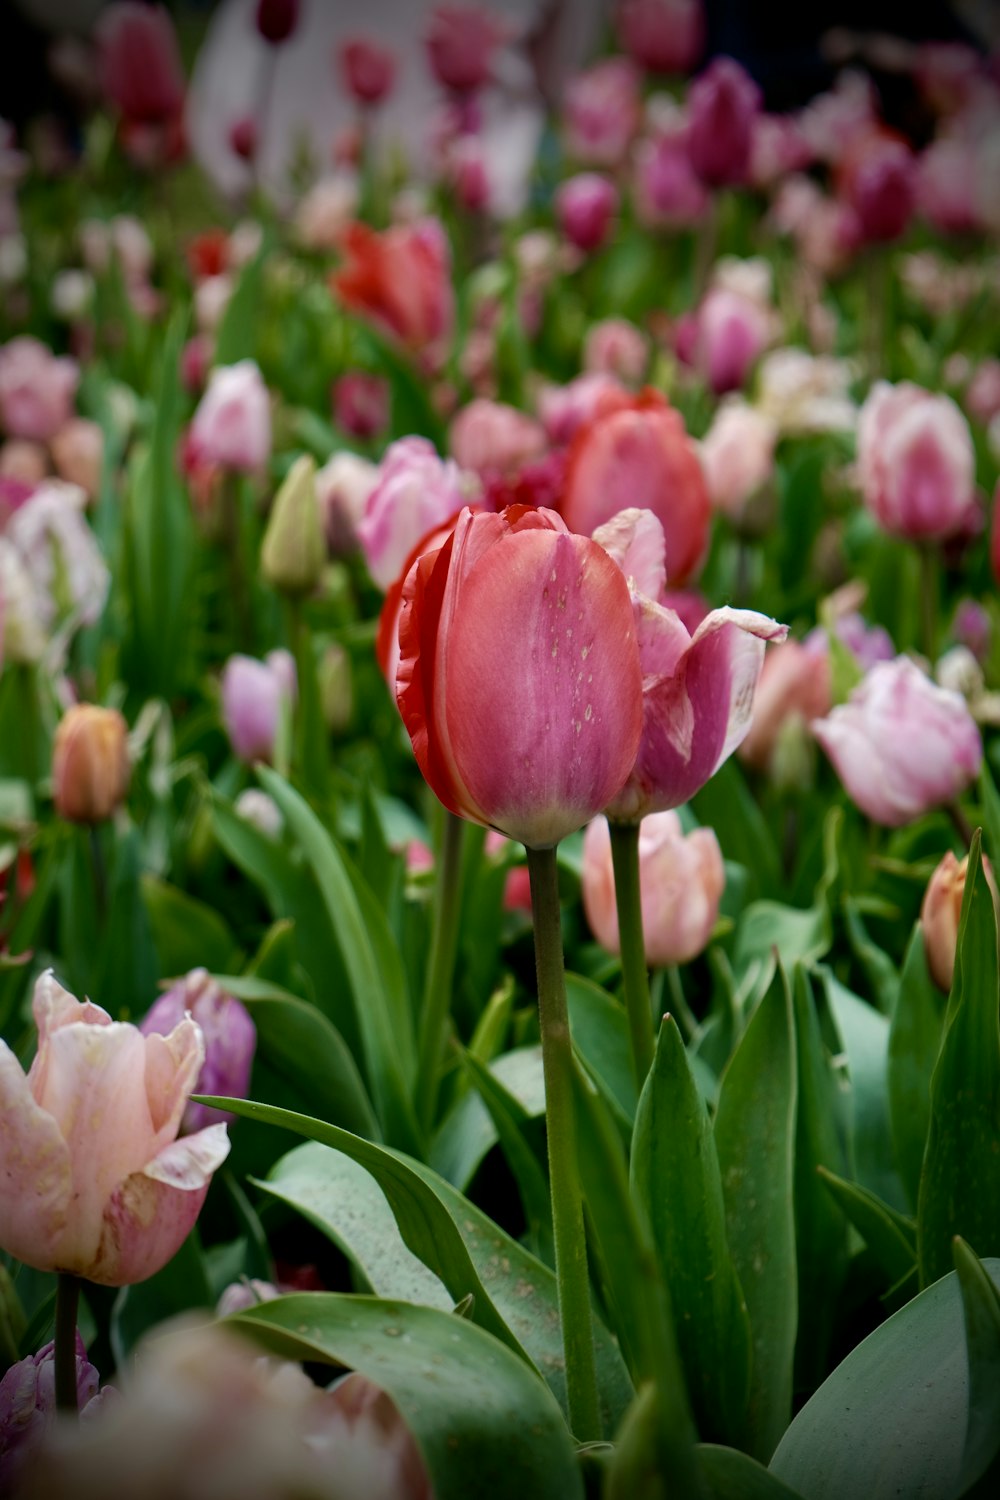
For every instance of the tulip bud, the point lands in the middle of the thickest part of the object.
(294, 549)
(230, 1041)
(27, 1405)
(940, 912)
(336, 688)
(277, 19)
(90, 765)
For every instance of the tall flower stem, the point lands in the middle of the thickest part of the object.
(572, 1279)
(625, 860)
(67, 1303)
(928, 600)
(440, 968)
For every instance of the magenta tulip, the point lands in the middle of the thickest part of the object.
(601, 112)
(254, 696)
(723, 104)
(519, 679)
(585, 207)
(95, 1182)
(900, 744)
(139, 62)
(664, 36)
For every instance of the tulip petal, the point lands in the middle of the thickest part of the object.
(746, 656)
(34, 1171)
(634, 538)
(173, 1063)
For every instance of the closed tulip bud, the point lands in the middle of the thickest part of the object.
(723, 105)
(336, 688)
(585, 207)
(940, 912)
(368, 69)
(880, 184)
(230, 1041)
(90, 764)
(28, 1406)
(681, 880)
(294, 548)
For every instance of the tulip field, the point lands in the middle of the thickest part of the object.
(499, 753)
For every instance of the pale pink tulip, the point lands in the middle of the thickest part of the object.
(78, 453)
(737, 454)
(916, 462)
(490, 436)
(901, 745)
(96, 1182)
(681, 880)
(601, 110)
(37, 389)
(416, 491)
(255, 694)
(616, 347)
(668, 191)
(343, 485)
(60, 553)
(948, 189)
(231, 427)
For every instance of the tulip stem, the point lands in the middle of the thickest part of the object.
(440, 969)
(100, 872)
(67, 1303)
(625, 859)
(572, 1277)
(928, 600)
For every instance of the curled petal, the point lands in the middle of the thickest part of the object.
(634, 538)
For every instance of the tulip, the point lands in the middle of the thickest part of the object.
(490, 436)
(293, 552)
(461, 41)
(416, 491)
(231, 427)
(90, 763)
(230, 1038)
(663, 36)
(601, 111)
(681, 882)
(36, 389)
(531, 741)
(616, 347)
(139, 62)
(731, 332)
(737, 454)
(277, 20)
(901, 745)
(60, 553)
(723, 104)
(667, 190)
(916, 462)
(28, 1406)
(564, 409)
(326, 211)
(22, 622)
(244, 137)
(637, 453)
(940, 911)
(78, 454)
(361, 404)
(948, 186)
(982, 395)
(879, 182)
(401, 280)
(24, 463)
(342, 488)
(794, 688)
(804, 393)
(972, 627)
(255, 694)
(368, 70)
(96, 1183)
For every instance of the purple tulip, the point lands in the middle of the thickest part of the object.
(28, 1405)
(254, 695)
(230, 1040)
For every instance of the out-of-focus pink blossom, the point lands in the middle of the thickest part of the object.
(490, 436)
(778, 148)
(60, 553)
(28, 1406)
(947, 74)
(879, 181)
(367, 68)
(901, 745)
(37, 389)
(461, 42)
(78, 454)
(24, 461)
(230, 1041)
(832, 122)
(467, 170)
(723, 104)
(243, 137)
(667, 190)
(737, 454)
(231, 427)
(327, 210)
(982, 394)
(601, 111)
(681, 881)
(416, 491)
(794, 686)
(255, 694)
(361, 404)
(948, 186)
(564, 409)
(196, 360)
(731, 333)
(401, 280)
(585, 207)
(825, 229)
(616, 347)
(662, 36)
(916, 462)
(972, 627)
(139, 62)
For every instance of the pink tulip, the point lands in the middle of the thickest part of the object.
(529, 733)
(697, 689)
(342, 489)
(585, 208)
(229, 1034)
(564, 409)
(96, 1182)
(737, 454)
(255, 694)
(416, 491)
(231, 427)
(601, 111)
(723, 104)
(78, 454)
(36, 389)
(663, 36)
(490, 436)
(616, 347)
(668, 192)
(916, 462)
(60, 553)
(732, 332)
(139, 62)
(948, 186)
(794, 686)
(24, 463)
(461, 41)
(901, 745)
(982, 395)
(681, 880)
(940, 912)
(368, 69)
(879, 181)
(778, 148)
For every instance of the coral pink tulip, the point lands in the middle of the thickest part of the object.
(415, 492)
(636, 452)
(681, 880)
(916, 462)
(663, 36)
(697, 688)
(368, 69)
(96, 1183)
(36, 389)
(139, 62)
(400, 279)
(529, 732)
(231, 427)
(900, 744)
(723, 104)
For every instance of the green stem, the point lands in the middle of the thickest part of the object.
(100, 872)
(67, 1303)
(928, 600)
(625, 859)
(440, 969)
(232, 528)
(572, 1278)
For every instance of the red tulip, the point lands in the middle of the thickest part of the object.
(400, 279)
(519, 679)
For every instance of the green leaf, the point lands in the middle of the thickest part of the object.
(890, 1238)
(510, 1118)
(676, 1183)
(467, 1133)
(914, 1044)
(990, 799)
(960, 1183)
(600, 1036)
(820, 1228)
(981, 1307)
(890, 1422)
(880, 971)
(187, 934)
(461, 1392)
(800, 936)
(732, 1475)
(755, 1138)
(302, 1046)
(372, 961)
(318, 1182)
(237, 335)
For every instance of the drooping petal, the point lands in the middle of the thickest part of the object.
(34, 1171)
